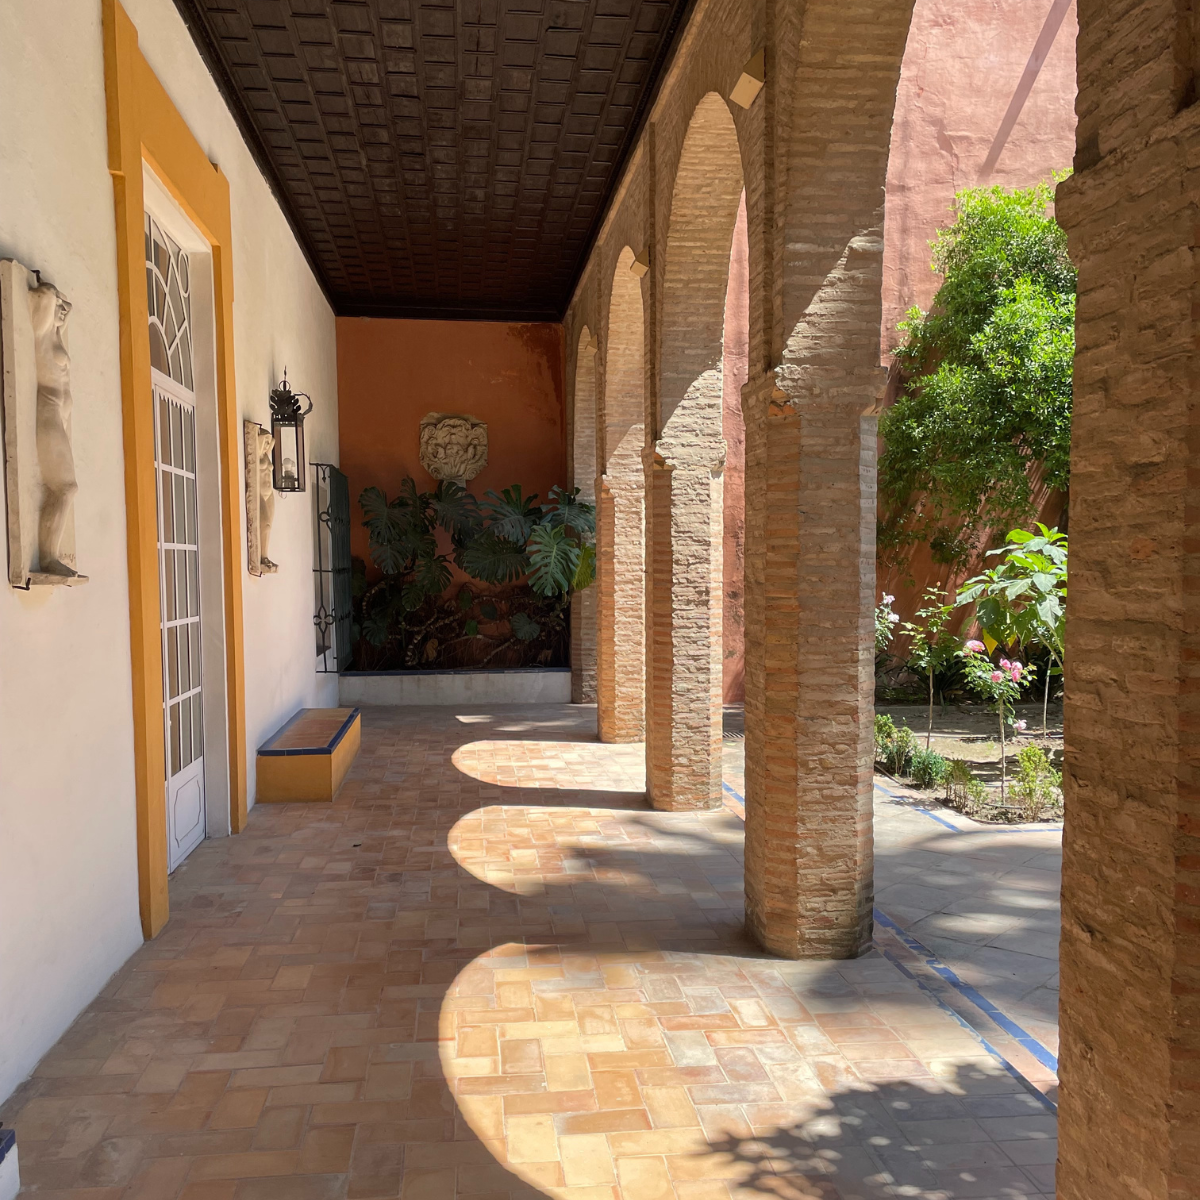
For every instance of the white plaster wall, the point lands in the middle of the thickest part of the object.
(68, 866)
(68, 869)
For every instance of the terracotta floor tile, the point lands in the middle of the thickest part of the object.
(488, 971)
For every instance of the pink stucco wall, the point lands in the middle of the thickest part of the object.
(963, 62)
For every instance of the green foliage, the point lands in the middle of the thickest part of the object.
(585, 573)
(894, 747)
(567, 509)
(1001, 684)
(553, 559)
(1036, 788)
(987, 377)
(885, 735)
(511, 515)
(493, 559)
(927, 768)
(958, 780)
(508, 538)
(1023, 601)
(525, 627)
(932, 647)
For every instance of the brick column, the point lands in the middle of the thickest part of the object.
(620, 542)
(621, 585)
(810, 591)
(1129, 1116)
(683, 632)
(584, 605)
(810, 486)
(584, 611)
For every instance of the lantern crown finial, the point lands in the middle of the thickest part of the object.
(285, 403)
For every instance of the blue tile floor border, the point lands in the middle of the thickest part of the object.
(1026, 1040)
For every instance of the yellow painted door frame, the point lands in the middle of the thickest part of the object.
(144, 126)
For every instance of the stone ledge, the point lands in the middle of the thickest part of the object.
(517, 685)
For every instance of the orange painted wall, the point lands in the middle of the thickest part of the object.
(391, 373)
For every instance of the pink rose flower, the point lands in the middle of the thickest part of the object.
(1019, 726)
(997, 676)
(974, 647)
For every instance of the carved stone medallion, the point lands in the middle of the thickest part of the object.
(453, 446)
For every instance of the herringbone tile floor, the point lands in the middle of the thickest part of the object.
(488, 971)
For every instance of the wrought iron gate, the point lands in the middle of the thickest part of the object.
(331, 567)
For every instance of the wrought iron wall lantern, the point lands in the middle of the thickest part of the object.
(287, 427)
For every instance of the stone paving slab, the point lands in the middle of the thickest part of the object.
(488, 970)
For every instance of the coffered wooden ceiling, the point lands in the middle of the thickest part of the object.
(439, 158)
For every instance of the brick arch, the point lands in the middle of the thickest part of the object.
(704, 204)
(583, 424)
(620, 541)
(624, 370)
(583, 476)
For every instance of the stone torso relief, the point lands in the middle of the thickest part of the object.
(453, 447)
(260, 498)
(39, 459)
(48, 309)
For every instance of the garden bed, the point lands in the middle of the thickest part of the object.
(970, 734)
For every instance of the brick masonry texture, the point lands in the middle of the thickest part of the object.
(812, 153)
(488, 971)
(583, 476)
(1131, 873)
(621, 669)
(811, 156)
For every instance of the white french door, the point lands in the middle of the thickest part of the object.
(179, 577)
(168, 296)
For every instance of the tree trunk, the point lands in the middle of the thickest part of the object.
(929, 728)
(1003, 754)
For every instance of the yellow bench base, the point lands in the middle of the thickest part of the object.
(308, 758)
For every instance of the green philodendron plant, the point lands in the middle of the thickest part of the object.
(504, 539)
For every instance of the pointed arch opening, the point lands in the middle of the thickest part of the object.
(684, 523)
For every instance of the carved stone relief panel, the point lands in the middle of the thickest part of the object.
(39, 462)
(453, 446)
(260, 498)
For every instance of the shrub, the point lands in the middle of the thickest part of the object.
(928, 768)
(893, 747)
(1037, 786)
(885, 735)
(958, 781)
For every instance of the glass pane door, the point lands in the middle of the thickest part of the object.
(179, 562)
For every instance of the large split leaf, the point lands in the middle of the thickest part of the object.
(493, 559)
(553, 560)
(511, 514)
